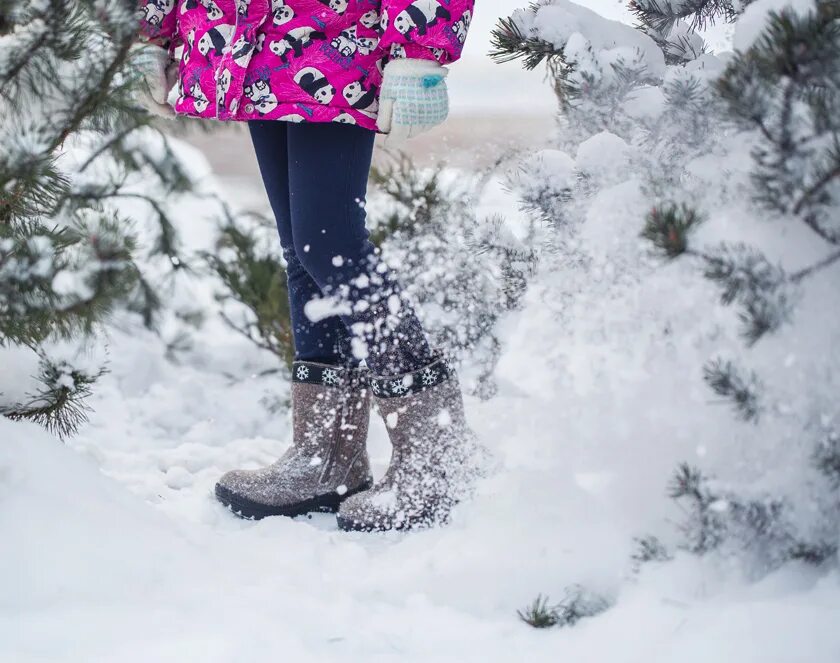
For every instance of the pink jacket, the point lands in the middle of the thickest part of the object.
(297, 60)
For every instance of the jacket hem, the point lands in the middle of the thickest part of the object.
(284, 112)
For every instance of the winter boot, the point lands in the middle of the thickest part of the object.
(327, 462)
(432, 461)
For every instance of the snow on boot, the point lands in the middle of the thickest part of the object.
(328, 460)
(432, 461)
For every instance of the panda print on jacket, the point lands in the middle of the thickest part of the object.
(348, 43)
(461, 26)
(200, 100)
(156, 11)
(241, 51)
(365, 100)
(297, 60)
(260, 95)
(338, 6)
(293, 43)
(315, 84)
(370, 19)
(420, 15)
(190, 45)
(212, 10)
(222, 86)
(215, 39)
(281, 13)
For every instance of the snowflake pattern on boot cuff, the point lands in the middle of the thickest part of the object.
(411, 383)
(323, 374)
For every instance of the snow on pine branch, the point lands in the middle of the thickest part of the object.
(757, 15)
(583, 49)
(70, 153)
(663, 15)
(48, 387)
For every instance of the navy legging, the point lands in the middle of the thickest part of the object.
(316, 176)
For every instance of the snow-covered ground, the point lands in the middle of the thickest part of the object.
(95, 572)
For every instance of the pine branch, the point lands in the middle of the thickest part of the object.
(93, 261)
(668, 228)
(649, 549)
(259, 283)
(662, 16)
(787, 87)
(145, 301)
(509, 43)
(421, 201)
(108, 146)
(166, 241)
(90, 104)
(745, 275)
(35, 34)
(804, 273)
(813, 191)
(539, 614)
(816, 554)
(742, 271)
(65, 258)
(579, 603)
(761, 527)
(742, 390)
(60, 405)
(764, 314)
(90, 96)
(703, 529)
(826, 457)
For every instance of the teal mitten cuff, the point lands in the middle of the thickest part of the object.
(413, 98)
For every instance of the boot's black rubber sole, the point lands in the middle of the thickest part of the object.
(246, 508)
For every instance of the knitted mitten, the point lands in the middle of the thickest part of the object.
(413, 98)
(158, 72)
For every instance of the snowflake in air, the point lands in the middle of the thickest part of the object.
(398, 387)
(329, 376)
(302, 372)
(429, 376)
(376, 387)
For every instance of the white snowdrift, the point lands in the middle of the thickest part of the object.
(91, 573)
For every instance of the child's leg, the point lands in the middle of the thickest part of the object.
(328, 172)
(325, 341)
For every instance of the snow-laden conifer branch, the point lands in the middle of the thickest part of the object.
(59, 405)
(760, 526)
(662, 15)
(73, 143)
(741, 388)
(510, 42)
(787, 87)
(255, 278)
